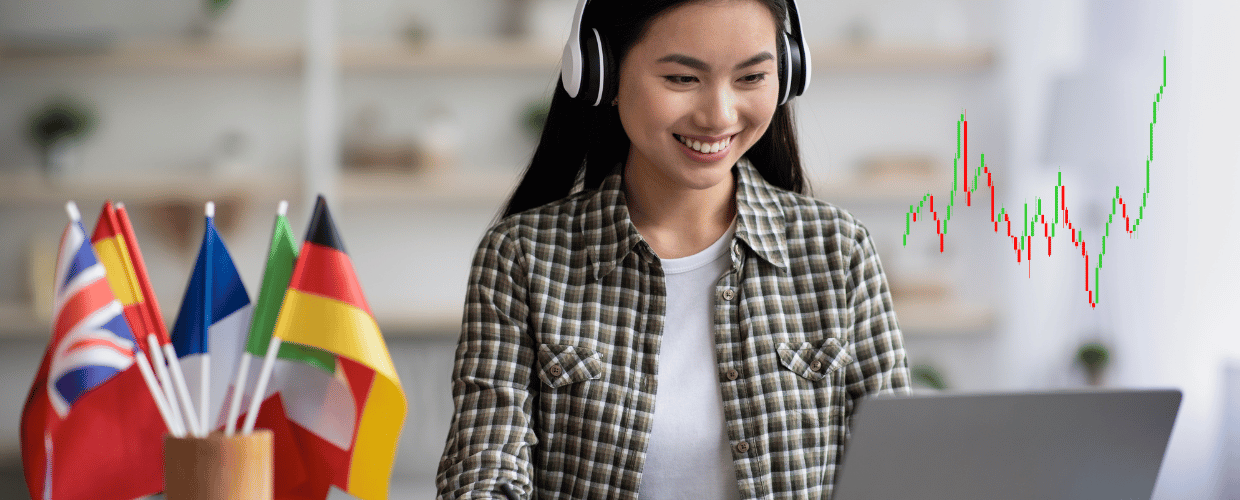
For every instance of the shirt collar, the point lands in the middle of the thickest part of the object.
(610, 234)
(760, 215)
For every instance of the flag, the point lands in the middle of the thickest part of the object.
(306, 404)
(117, 247)
(324, 308)
(89, 429)
(209, 332)
(118, 253)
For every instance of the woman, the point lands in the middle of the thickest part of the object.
(661, 312)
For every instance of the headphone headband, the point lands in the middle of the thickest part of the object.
(570, 77)
(586, 66)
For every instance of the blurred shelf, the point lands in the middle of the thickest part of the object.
(439, 325)
(485, 56)
(446, 187)
(477, 56)
(941, 318)
(890, 190)
(500, 55)
(25, 186)
(918, 318)
(173, 56)
(18, 320)
(897, 58)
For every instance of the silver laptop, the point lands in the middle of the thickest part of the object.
(1087, 445)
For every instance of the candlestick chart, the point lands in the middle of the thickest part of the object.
(1045, 215)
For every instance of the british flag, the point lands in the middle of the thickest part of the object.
(90, 429)
(93, 341)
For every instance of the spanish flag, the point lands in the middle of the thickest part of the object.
(324, 308)
(119, 253)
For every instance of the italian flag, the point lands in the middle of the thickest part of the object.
(334, 401)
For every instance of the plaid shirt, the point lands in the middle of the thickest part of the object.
(555, 376)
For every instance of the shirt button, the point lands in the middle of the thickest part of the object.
(742, 447)
(728, 294)
(732, 374)
(556, 370)
(816, 365)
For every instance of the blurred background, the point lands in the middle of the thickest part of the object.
(415, 117)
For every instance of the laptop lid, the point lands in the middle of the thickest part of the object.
(1085, 445)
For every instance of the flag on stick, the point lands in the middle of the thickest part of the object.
(117, 248)
(210, 329)
(309, 407)
(324, 308)
(281, 256)
(92, 425)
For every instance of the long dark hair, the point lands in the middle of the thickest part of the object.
(583, 144)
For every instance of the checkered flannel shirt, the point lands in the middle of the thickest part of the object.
(555, 375)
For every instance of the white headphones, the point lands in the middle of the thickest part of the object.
(587, 64)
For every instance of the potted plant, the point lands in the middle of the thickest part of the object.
(57, 128)
(1094, 357)
(204, 25)
(929, 376)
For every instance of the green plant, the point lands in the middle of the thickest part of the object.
(60, 118)
(217, 7)
(929, 376)
(535, 116)
(1094, 357)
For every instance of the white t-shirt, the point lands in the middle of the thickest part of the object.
(690, 455)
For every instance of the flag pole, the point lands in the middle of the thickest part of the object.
(243, 369)
(150, 315)
(165, 380)
(234, 396)
(173, 365)
(264, 376)
(204, 385)
(175, 427)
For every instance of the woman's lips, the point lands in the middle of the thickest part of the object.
(705, 152)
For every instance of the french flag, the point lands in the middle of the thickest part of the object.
(211, 327)
(90, 429)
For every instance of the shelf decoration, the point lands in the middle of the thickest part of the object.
(56, 130)
(515, 23)
(1094, 357)
(929, 376)
(534, 117)
(205, 24)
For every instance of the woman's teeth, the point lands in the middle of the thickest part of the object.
(706, 148)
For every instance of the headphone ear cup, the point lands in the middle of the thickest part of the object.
(609, 82)
(796, 74)
(784, 67)
(792, 71)
(594, 69)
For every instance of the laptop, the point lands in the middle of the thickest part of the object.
(1086, 445)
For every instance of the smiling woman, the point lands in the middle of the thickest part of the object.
(694, 95)
(661, 312)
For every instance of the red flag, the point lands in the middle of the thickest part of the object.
(89, 429)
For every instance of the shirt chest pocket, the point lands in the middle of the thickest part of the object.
(813, 361)
(560, 365)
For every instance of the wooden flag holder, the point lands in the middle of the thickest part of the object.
(218, 467)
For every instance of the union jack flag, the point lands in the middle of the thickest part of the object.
(92, 340)
(90, 429)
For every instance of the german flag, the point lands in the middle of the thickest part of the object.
(324, 308)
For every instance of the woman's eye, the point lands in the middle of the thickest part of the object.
(754, 78)
(681, 79)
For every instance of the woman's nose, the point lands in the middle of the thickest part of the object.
(717, 109)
